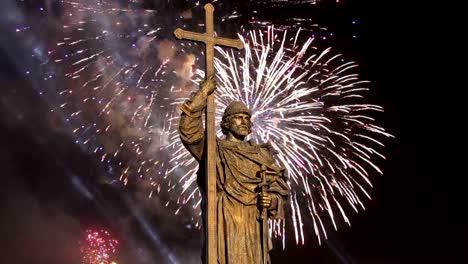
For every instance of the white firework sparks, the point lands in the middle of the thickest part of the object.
(307, 105)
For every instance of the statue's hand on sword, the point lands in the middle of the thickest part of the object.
(265, 200)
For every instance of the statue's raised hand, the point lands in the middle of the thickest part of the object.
(209, 85)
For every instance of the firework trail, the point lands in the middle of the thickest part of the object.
(124, 79)
(98, 247)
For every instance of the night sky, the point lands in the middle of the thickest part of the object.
(52, 189)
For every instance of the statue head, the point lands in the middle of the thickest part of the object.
(236, 120)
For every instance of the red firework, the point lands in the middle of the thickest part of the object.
(98, 247)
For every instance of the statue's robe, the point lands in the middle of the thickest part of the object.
(239, 230)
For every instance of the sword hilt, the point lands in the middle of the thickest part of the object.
(264, 215)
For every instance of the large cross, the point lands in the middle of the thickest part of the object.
(210, 41)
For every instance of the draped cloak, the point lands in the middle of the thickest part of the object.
(239, 230)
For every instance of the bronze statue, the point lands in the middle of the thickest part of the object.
(240, 182)
(250, 186)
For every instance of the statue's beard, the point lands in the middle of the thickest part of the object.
(240, 131)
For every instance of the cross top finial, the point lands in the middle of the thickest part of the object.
(209, 7)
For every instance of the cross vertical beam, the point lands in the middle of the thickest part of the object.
(210, 41)
(211, 234)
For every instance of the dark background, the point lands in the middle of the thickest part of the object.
(411, 219)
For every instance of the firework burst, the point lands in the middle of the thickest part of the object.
(114, 85)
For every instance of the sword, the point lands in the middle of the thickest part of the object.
(264, 216)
